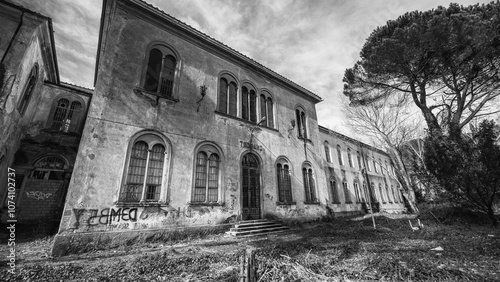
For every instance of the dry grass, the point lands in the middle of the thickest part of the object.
(331, 251)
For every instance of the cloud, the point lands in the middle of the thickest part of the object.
(309, 42)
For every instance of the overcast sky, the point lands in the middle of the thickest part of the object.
(309, 42)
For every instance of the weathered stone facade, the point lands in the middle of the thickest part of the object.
(40, 132)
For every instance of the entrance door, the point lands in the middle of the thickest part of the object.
(250, 187)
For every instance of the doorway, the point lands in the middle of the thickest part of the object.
(250, 170)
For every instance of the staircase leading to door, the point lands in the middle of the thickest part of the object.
(256, 227)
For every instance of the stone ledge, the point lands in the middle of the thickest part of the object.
(77, 243)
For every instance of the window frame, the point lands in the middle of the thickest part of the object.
(268, 97)
(166, 50)
(71, 99)
(283, 161)
(212, 148)
(327, 152)
(308, 180)
(152, 138)
(301, 123)
(248, 107)
(349, 157)
(347, 192)
(339, 155)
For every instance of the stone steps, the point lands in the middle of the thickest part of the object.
(255, 227)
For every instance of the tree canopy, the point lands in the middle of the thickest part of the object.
(447, 60)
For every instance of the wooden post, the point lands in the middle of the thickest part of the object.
(248, 271)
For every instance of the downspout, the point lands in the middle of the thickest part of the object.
(13, 37)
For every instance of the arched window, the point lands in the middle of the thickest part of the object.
(301, 121)
(283, 173)
(381, 193)
(373, 196)
(381, 167)
(50, 168)
(309, 183)
(339, 155)
(160, 70)
(207, 174)
(349, 157)
(375, 165)
(347, 193)
(248, 103)
(359, 159)
(67, 115)
(28, 90)
(364, 195)
(368, 167)
(327, 152)
(388, 194)
(386, 168)
(227, 95)
(267, 109)
(357, 192)
(145, 170)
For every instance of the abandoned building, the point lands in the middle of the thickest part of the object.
(179, 131)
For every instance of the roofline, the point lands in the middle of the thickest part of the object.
(350, 139)
(83, 90)
(207, 41)
(98, 55)
(52, 40)
(22, 8)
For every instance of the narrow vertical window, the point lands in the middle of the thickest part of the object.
(339, 155)
(381, 193)
(357, 192)
(388, 197)
(347, 193)
(136, 172)
(284, 183)
(263, 110)
(167, 76)
(333, 188)
(244, 103)
(327, 152)
(60, 115)
(233, 107)
(309, 187)
(201, 177)
(270, 115)
(299, 123)
(359, 159)
(253, 106)
(223, 95)
(153, 70)
(28, 90)
(213, 178)
(349, 157)
(155, 172)
(375, 166)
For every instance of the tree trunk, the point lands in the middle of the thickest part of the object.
(491, 215)
(404, 179)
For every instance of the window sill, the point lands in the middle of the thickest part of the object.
(207, 204)
(305, 139)
(157, 96)
(141, 204)
(336, 203)
(245, 121)
(286, 203)
(350, 203)
(311, 203)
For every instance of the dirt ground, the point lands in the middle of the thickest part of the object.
(338, 250)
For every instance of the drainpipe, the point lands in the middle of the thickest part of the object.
(13, 37)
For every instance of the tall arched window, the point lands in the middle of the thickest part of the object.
(146, 169)
(357, 192)
(28, 90)
(228, 95)
(67, 115)
(283, 173)
(248, 103)
(160, 70)
(301, 121)
(339, 155)
(381, 167)
(267, 109)
(347, 193)
(207, 174)
(381, 193)
(388, 194)
(309, 183)
(373, 196)
(359, 159)
(375, 165)
(327, 152)
(349, 157)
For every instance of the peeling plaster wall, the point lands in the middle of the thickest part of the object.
(119, 111)
(354, 173)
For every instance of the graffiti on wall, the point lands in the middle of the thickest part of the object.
(38, 195)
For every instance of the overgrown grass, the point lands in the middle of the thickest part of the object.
(331, 251)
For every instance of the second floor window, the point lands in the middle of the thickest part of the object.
(160, 71)
(67, 115)
(301, 123)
